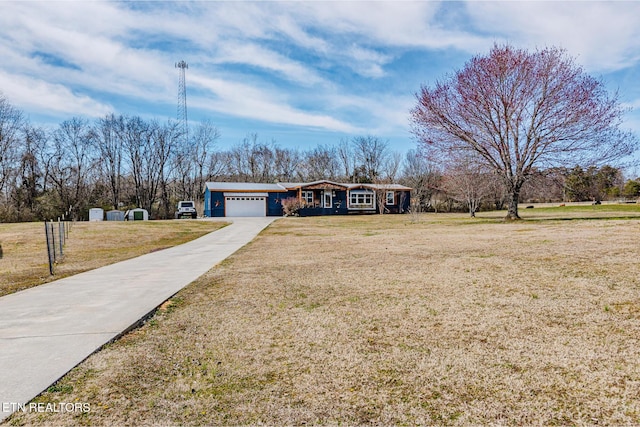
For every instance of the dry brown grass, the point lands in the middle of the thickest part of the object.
(90, 245)
(378, 320)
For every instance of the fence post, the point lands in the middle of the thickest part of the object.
(46, 232)
(53, 241)
(60, 238)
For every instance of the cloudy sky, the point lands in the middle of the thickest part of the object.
(299, 73)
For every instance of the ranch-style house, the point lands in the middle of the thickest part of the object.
(317, 198)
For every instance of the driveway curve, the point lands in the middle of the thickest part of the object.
(47, 330)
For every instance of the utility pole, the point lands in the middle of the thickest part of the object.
(182, 99)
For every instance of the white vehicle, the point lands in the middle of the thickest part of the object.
(186, 209)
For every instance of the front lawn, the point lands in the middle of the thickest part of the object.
(387, 320)
(90, 245)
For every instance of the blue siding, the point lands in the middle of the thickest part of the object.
(402, 202)
(274, 203)
(339, 206)
(213, 204)
(207, 203)
(406, 202)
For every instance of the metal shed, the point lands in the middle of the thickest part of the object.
(96, 214)
(115, 215)
(137, 214)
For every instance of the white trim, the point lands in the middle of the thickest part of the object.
(247, 194)
(366, 194)
(304, 194)
(329, 194)
(393, 198)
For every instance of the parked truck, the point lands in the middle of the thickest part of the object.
(186, 209)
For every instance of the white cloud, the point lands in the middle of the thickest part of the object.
(79, 38)
(254, 55)
(605, 36)
(242, 100)
(410, 24)
(38, 96)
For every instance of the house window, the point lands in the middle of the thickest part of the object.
(361, 199)
(390, 199)
(307, 197)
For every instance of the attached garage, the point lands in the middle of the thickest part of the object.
(243, 199)
(245, 204)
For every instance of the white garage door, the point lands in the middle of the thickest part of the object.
(245, 206)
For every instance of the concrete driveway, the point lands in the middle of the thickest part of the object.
(47, 330)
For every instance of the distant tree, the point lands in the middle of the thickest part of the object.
(74, 158)
(544, 186)
(391, 166)
(218, 166)
(593, 183)
(286, 164)
(608, 182)
(30, 178)
(195, 160)
(423, 176)
(371, 154)
(165, 138)
(496, 193)
(205, 159)
(519, 110)
(578, 185)
(136, 137)
(632, 188)
(109, 134)
(11, 121)
(252, 161)
(319, 163)
(345, 157)
(468, 181)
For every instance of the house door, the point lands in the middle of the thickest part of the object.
(328, 199)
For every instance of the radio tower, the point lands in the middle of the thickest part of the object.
(182, 99)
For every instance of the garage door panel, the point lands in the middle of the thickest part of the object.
(246, 206)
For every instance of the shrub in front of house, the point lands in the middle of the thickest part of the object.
(291, 206)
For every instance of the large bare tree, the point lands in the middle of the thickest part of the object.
(518, 110)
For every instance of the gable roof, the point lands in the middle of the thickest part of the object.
(254, 187)
(395, 187)
(245, 187)
(321, 184)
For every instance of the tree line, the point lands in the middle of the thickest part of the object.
(122, 162)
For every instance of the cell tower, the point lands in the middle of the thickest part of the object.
(182, 98)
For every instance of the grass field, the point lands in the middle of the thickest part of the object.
(388, 320)
(90, 245)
